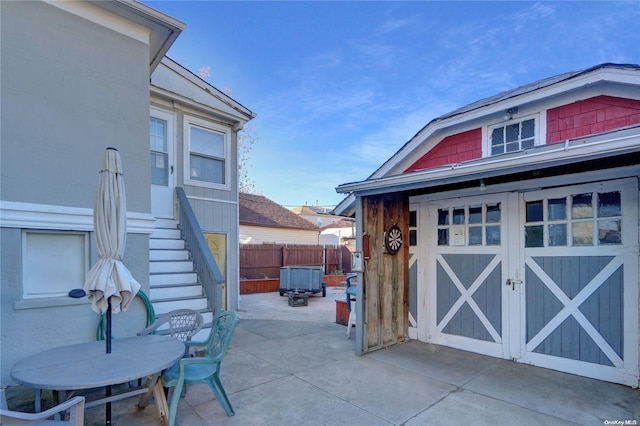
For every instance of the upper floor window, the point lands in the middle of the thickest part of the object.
(512, 136)
(207, 150)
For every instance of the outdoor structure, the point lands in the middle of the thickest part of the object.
(76, 80)
(319, 216)
(340, 232)
(509, 227)
(264, 221)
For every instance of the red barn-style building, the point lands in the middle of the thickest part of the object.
(517, 218)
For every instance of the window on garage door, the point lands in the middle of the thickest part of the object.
(585, 219)
(470, 225)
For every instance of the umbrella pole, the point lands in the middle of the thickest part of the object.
(108, 339)
(108, 335)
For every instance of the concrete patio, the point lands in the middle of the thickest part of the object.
(294, 365)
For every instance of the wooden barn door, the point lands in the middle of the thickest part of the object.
(385, 290)
(580, 299)
(467, 264)
(547, 277)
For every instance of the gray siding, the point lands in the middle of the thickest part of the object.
(215, 209)
(603, 309)
(488, 296)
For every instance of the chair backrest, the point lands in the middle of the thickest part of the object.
(219, 338)
(74, 405)
(185, 323)
(181, 323)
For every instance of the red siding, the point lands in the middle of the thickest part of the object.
(452, 149)
(591, 116)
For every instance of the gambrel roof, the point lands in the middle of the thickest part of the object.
(393, 175)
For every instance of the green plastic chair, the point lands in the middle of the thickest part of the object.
(204, 369)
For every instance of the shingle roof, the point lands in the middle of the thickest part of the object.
(342, 223)
(258, 210)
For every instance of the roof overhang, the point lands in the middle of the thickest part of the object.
(172, 81)
(550, 157)
(164, 29)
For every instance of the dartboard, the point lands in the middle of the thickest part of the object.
(393, 239)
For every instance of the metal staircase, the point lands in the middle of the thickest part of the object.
(173, 282)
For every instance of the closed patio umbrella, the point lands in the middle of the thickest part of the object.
(109, 284)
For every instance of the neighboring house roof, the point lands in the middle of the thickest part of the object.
(257, 210)
(311, 210)
(532, 92)
(342, 223)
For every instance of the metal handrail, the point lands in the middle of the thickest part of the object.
(204, 262)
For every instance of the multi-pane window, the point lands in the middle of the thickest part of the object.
(159, 154)
(512, 137)
(586, 219)
(206, 163)
(470, 225)
(413, 228)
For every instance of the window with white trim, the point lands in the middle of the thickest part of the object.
(206, 153)
(159, 151)
(514, 135)
(53, 263)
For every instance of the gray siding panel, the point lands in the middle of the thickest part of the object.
(465, 322)
(222, 218)
(603, 309)
(413, 289)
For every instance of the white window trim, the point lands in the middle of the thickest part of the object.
(538, 128)
(170, 118)
(188, 122)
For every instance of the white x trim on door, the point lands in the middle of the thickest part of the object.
(572, 307)
(466, 295)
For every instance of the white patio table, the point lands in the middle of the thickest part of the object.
(87, 365)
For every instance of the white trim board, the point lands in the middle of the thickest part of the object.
(45, 216)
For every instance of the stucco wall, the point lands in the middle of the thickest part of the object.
(70, 88)
(30, 326)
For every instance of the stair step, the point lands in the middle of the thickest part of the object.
(168, 255)
(165, 244)
(169, 267)
(166, 223)
(165, 233)
(162, 306)
(159, 279)
(175, 292)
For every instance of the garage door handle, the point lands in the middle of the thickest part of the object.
(512, 282)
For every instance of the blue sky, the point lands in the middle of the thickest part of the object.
(338, 87)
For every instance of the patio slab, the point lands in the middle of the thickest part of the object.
(294, 365)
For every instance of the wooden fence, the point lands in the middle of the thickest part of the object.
(265, 260)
